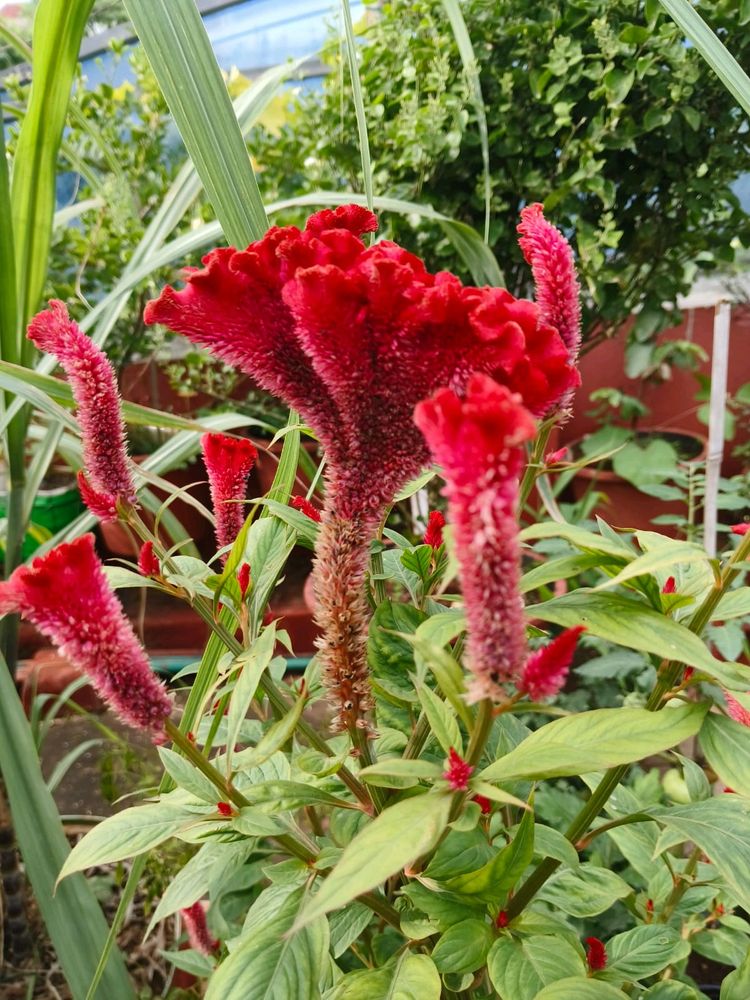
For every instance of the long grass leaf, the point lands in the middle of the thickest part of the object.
(716, 54)
(471, 68)
(8, 316)
(72, 916)
(350, 45)
(180, 53)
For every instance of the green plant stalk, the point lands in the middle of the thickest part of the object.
(668, 675)
(536, 463)
(681, 886)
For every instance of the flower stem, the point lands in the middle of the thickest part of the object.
(536, 463)
(682, 884)
(669, 673)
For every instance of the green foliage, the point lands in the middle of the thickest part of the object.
(582, 101)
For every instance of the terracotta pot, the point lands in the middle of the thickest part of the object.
(49, 673)
(624, 505)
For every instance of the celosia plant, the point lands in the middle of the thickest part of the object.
(464, 835)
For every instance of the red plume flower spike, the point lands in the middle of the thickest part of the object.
(596, 954)
(740, 529)
(148, 564)
(243, 579)
(199, 936)
(229, 461)
(353, 337)
(546, 670)
(458, 772)
(737, 711)
(66, 595)
(434, 534)
(478, 441)
(670, 586)
(107, 476)
(303, 505)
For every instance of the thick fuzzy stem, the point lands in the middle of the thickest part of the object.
(341, 560)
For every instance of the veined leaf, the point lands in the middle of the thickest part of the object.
(408, 977)
(521, 968)
(726, 744)
(582, 988)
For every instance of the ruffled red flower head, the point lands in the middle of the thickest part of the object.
(66, 595)
(478, 441)
(107, 476)
(229, 461)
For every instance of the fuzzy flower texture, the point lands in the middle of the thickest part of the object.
(107, 478)
(66, 595)
(229, 462)
(353, 337)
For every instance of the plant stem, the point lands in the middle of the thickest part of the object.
(418, 738)
(668, 674)
(481, 731)
(536, 463)
(681, 886)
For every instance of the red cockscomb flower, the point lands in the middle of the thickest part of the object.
(199, 936)
(107, 477)
(478, 441)
(303, 505)
(553, 457)
(434, 534)
(353, 337)
(596, 954)
(148, 564)
(458, 772)
(546, 670)
(229, 461)
(66, 595)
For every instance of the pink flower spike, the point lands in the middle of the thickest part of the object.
(434, 534)
(478, 441)
(92, 380)
(740, 529)
(670, 587)
(547, 669)
(243, 579)
(737, 711)
(199, 936)
(229, 461)
(553, 457)
(303, 505)
(458, 772)
(148, 564)
(65, 593)
(596, 954)
(557, 291)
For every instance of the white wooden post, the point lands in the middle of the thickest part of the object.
(717, 413)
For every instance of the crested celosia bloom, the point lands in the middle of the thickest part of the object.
(458, 772)
(107, 477)
(546, 670)
(65, 594)
(199, 936)
(434, 534)
(303, 505)
(353, 337)
(596, 954)
(229, 461)
(478, 441)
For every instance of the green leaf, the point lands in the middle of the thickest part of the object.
(672, 990)
(186, 776)
(347, 925)
(726, 744)
(643, 951)
(397, 767)
(587, 541)
(352, 55)
(190, 961)
(552, 570)
(521, 968)
(634, 625)
(580, 989)
(736, 986)
(721, 828)
(418, 560)
(665, 556)
(734, 604)
(712, 49)
(293, 794)
(268, 963)
(126, 834)
(584, 891)
(409, 977)
(251, 665)
(183, 61)
(397, 837)
(463, 947)
(72, 916)
(595, 741)
(443, 724)
(496, 877)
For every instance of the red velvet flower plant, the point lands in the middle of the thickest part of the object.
(353, 337)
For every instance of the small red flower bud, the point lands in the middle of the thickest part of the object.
(199, 936)
(688, 673)
(719, 911)
(546, 670)
(729, 791)
(553, 457)
(225, 808)
(649, 906)
(484, 804)
(458, 772)
(740, 529)
(434, 534)
(596, 954)
(502, 919)
(148, 564)
(243, 579)
(191, 737)
(303, 504)
(670, 586)
(737, 711)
